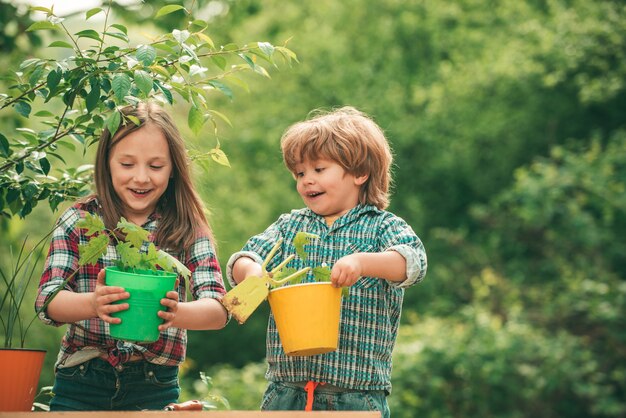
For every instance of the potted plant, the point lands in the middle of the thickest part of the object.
(146, 275)
(306, 314)
(21, 367)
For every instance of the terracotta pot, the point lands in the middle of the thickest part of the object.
(19, 377)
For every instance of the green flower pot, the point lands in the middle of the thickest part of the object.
(146, 287)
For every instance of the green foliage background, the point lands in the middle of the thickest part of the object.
(508, 128)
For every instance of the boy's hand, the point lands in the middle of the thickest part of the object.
(346, 271)
(170, 301)
(103, 298)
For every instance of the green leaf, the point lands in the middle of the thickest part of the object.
(92, 12)
(129, 255)
(180, 267)
(92, 223)
(23, 108)
(222, 87)
(93, 250)
(93, 98)
(40, 9)
(117, 35)
(146, 54)
(321, 273)
(60, 44)
(89, 33)
(113, 122)
(220, 61)
(221, 116)
(165, 91)
(267, 48)
(143, 81)
(301, 239)
(120, 85)
(153, 258)
(134, 119)
(120, 27)
(169, 9)
(5, 149)
(206, 39)
(160, 70)
(42, 25)
(195, 119)
(135, 234)
(28, 62)
(52, 81)
(36, 75)
(45, 165)
(54, 78)
(219, 157)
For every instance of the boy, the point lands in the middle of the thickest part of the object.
(341, 163)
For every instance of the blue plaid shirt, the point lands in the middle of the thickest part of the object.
(370, 315)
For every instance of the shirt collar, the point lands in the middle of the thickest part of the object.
(348, 217)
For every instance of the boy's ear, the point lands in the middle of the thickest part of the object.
(360, 180)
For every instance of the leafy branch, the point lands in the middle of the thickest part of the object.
(84, 92)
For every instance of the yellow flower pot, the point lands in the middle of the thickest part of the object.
(307, 317)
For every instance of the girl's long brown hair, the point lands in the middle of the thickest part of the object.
(182, 212)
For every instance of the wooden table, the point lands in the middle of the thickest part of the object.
(193, 414)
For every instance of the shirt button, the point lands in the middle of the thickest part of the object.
(119, 367)
(150, 373)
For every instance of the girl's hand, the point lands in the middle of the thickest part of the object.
(104, 296)
(346, 271)
(170, 301)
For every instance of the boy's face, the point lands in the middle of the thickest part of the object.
(140, 167)
(326, 188)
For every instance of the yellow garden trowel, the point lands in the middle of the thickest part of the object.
(243, 299)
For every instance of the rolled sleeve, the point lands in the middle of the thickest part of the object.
(233, 259)
(415, 265)
(206, 274)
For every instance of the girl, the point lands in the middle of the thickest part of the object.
(141, 173)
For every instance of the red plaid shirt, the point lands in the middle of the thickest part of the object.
(92, 335)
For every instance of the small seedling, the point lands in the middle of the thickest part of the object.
(131, 258)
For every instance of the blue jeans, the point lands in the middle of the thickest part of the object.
(97, 386)
(286, 397)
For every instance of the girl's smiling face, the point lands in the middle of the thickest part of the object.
(326, 188)
(141, 167)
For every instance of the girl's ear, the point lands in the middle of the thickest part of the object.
(359, 180)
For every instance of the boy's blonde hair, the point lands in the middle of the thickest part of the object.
(350, 138)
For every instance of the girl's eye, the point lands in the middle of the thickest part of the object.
(156, 167)
(300, 174)
(319, 169)
(126, 164)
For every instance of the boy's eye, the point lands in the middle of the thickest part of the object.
(299, 174)
(319, 169)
